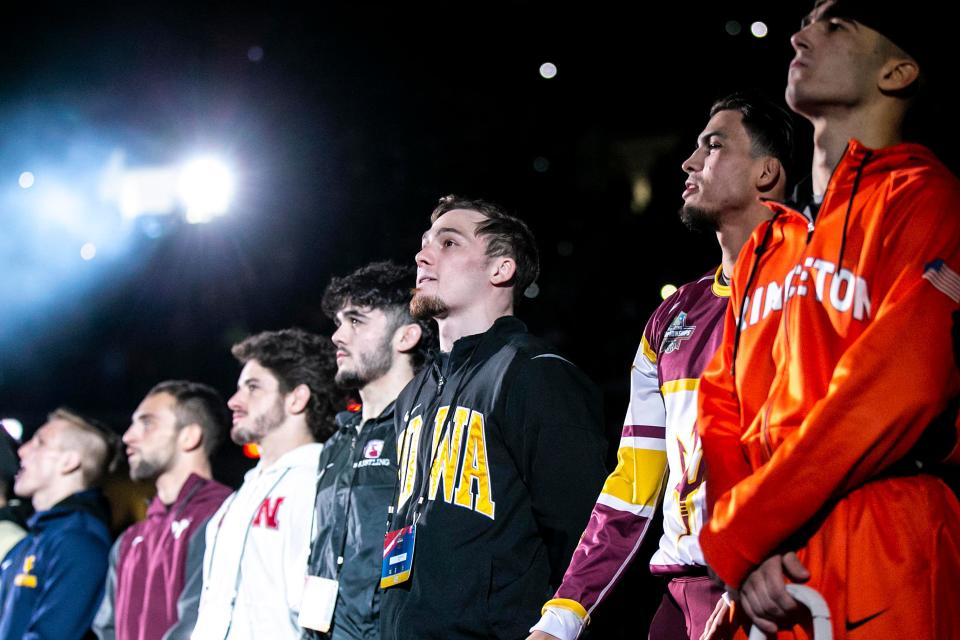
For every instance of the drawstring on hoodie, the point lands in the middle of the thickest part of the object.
(759, 251)
(762, 247)
(846, 217)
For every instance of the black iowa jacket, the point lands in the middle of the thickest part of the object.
(358, 472)
(515, 475)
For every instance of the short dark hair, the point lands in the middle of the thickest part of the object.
(386, 286)
(507, 236)
(197, 403)
(298, 357)
(102, 457)
(769, 125)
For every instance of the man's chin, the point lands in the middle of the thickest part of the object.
(22, 489)
(241, 436)
(347, 379)
(698, 219)
(140, 473)
(425, 306)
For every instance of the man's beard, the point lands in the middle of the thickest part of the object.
(262, 425)
(424, 307)
(145, 470)
(697, 219)
(367, 366)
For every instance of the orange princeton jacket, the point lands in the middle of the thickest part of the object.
(842, 358)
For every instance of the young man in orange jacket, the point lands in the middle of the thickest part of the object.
(836, 356)
(742, 156)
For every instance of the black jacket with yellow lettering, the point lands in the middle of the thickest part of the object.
(516, 470)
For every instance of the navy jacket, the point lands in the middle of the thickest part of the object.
(51, 582)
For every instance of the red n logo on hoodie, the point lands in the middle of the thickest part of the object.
(266, 515)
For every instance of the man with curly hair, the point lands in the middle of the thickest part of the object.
(380, 347)
(258, 541)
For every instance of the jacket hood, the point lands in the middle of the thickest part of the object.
(482, 344)
(897, 159)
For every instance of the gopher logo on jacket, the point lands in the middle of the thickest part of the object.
(677, 332)
(460, 465)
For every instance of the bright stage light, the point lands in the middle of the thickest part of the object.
(667, 290)
(26, 180)
(548, 70)
(88, 251)
(14, 427)
(205, 187)
(758, 29)
(144, 191)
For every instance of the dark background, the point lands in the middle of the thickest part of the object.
(356, 119)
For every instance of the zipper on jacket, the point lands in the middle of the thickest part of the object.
(784, 319)
(765, 433)
(440, 379)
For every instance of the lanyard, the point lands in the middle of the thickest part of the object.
(243, 548)
(420, 506)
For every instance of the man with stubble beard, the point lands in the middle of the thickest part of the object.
(257, 542)
(379, 349)
(742, 155)
(154, 580)
(500, 440)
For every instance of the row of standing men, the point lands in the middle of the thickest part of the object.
(769, 426)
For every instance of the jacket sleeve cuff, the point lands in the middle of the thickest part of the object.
(559, 621)
(569, 605)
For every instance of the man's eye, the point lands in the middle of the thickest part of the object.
(354, 322)
(835, 25)
(448, 243)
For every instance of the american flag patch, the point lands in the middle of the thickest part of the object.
(943, 278)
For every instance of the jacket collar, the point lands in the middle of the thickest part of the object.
(464, 347)
(192, 484)
(303, 456)
(89, 501)
(350, 420)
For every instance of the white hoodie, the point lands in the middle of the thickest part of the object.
(258, 542)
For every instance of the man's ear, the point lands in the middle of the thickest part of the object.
(898, 74)
(190, 437)
(771, 171)
(298, 399)
(502, 269)
(407, 337)
(70, 462)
